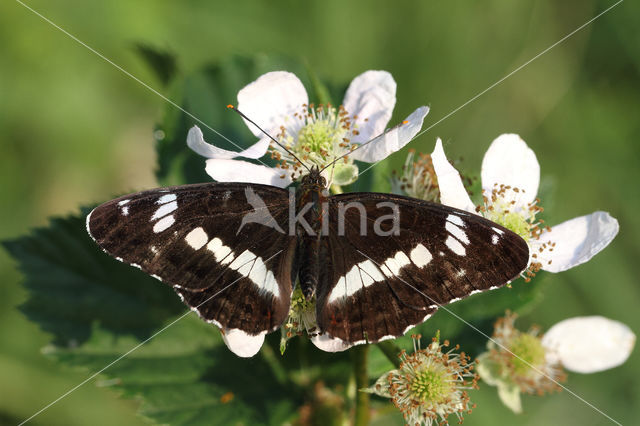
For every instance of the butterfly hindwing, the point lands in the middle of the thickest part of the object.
(233, 271)
(377, 286)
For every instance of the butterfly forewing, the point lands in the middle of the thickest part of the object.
(376, 286)
(233, 272)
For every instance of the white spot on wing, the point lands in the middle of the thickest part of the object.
(164, 210)
(497, 230)
(167, 198)
(353, 282)
(456, 220)
(221, 252)
(371, 270)
(123, 202)
(197, 238)
(395, 263)
(360, 276)
(457, 232)
(252, 267)
(124, 210)
(494, 239)
(420, 256)
(163, 224)
(455, 246)
(243, 263)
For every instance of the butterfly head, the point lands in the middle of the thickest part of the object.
(314, 179)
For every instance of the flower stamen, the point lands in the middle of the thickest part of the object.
(318, 135)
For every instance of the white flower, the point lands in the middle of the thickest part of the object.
(278, 102)
(530, 363)
(430, 384)
(515, 362)
(510, 178)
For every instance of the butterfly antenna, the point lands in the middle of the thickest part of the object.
(357, 148)
(270, 137)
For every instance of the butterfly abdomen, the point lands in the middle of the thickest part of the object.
(310, 265)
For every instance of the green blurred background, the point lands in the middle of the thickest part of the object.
(74, 130)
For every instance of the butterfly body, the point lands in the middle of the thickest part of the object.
(377, 264)
(311, 203)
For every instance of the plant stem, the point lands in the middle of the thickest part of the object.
(360, 353)
(391, 351)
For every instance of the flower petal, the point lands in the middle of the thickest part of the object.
(242, 344)
(589, 344)
(577, 240)
(370, 96)
(452, 191)
(488, 370)
(510, 396)
(243, 171)
(330, 344)
(510, 161)
(271, 100)
(195, 141)
(392, 140)
(381, 386)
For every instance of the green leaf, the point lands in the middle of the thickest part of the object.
(464, 321)
(99, 309)
(73, 285)
(162, 63)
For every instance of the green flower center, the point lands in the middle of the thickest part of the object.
(319, 137)
(513, 221)
(528, 351)
(324, 136)
(432, 385)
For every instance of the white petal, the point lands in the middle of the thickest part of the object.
(243, 171)
(510, 161)
(589, 344)
(371, 96)
(577, 240)
(510, 396)
(242, 344)
(271, 100)
(394, 139)
(452, 191)
(196, 142)
(330, 344)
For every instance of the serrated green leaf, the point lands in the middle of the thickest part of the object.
(74, 285)
(99, 309)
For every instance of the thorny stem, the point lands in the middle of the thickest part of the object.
(391, 351)
(360, 353)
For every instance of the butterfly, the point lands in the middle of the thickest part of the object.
(376, 264)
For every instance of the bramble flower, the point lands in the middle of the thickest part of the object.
(430, 384)
(418, 178)
(527, 362)
(510, 178)
(516, 362)
(302, 318)
(278, 102)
